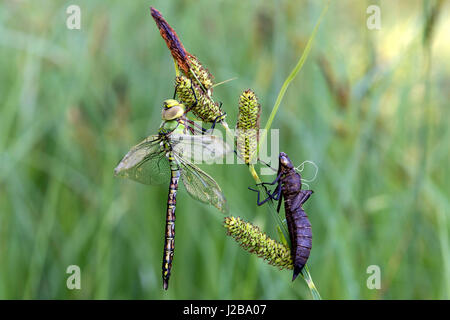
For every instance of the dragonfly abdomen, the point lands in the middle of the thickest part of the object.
(301, 238)
(169, 242)
(297, 221)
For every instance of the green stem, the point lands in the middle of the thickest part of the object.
(292, 76)
(312, 288)
(177, 70)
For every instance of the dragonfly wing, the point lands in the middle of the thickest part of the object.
(200, 148)
(200, 185)
(145, 163)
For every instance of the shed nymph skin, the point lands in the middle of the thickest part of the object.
(297, 221)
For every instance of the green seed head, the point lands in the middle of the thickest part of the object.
(247, 127)
(252, 239)
(201, 74)
(205, 109)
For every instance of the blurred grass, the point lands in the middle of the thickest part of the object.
(369, 107)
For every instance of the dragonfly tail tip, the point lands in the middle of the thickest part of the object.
(297, 271)
(165, 284)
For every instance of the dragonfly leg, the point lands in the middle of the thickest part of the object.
(195, 96)
(258, 201)
(267, 165)
(175, 92)
(273, 182)
(276, 194)
(217, 119)
(279, 198)
(273, 196)
(193, 124)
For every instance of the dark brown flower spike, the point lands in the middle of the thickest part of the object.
(174, 44)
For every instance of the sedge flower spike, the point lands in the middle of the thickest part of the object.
(197, 101)
(253, 240)
(201, 74)
(247, 127)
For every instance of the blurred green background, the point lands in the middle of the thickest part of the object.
(370, 108)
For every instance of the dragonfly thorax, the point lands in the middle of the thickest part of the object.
(169, 126)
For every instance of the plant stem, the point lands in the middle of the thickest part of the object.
(292, 76)
(177, 70)
(308, 279)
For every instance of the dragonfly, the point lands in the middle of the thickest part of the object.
(169, 156)
(289, 186)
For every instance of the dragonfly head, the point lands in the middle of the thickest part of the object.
(285, 161)
(172, 109)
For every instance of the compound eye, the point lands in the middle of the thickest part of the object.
(172, 113)
(170, 103)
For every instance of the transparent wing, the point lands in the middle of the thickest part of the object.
(145, 163)
(200, 185)
(203, 148)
